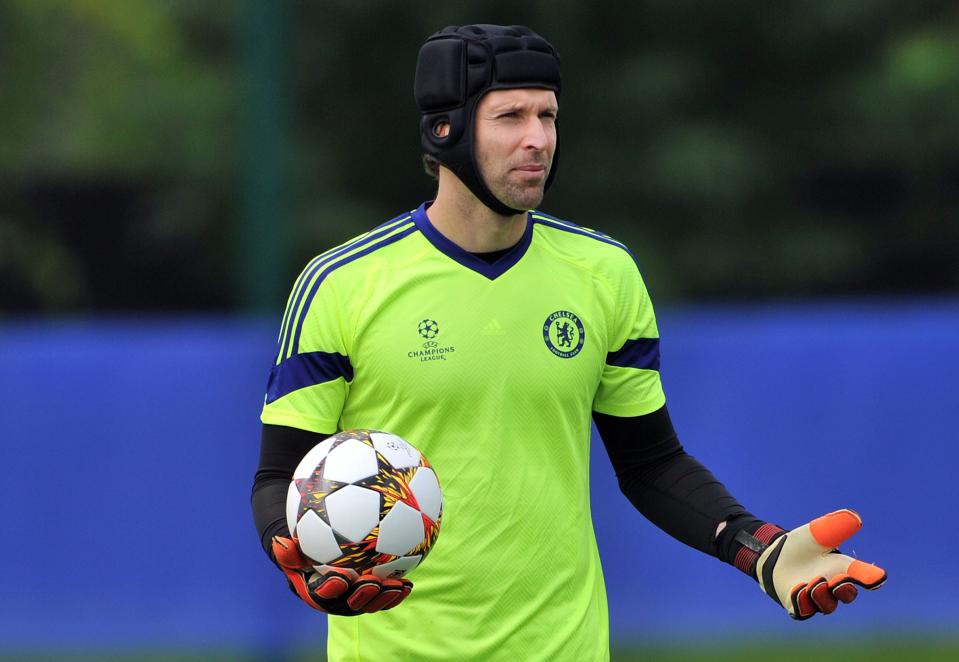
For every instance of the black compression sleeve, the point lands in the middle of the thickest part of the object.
(670, 488)
(281, 449)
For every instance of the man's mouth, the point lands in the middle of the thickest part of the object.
(532, 169)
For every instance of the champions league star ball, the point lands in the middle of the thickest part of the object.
(366, 501)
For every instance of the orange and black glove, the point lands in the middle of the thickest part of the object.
(336, 591)
(804, 572)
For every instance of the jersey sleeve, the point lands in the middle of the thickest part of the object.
(630, 384)
(310, 379)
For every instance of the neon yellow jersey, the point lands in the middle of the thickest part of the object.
(492, 371)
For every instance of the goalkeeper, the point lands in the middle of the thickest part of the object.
(536, 328)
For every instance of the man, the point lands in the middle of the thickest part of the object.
(544, 326)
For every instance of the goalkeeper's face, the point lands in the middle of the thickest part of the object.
(514, 142)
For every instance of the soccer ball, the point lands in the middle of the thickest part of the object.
(366, 501)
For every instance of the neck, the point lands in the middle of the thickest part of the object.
(460, 217)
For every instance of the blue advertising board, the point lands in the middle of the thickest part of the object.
(129, 450)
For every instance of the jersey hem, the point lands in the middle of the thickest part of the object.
(308, 423)
(632, 409)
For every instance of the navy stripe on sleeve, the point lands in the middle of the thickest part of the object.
(639, 353)
(308, 369)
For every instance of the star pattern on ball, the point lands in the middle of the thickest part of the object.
(313, 492)
(394, 485)
(315, 488)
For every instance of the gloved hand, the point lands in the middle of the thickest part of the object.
(336, 591)
(804, 572)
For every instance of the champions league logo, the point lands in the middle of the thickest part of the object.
(564, 334)
(428, 330)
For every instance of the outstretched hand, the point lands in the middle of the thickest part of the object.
(336, 591)
(806, 574)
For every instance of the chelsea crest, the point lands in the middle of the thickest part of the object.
(564, 334)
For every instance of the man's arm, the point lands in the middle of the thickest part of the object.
(281, 449)
(671, 488)
(799, 569)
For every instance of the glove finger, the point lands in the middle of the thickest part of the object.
(803, 606)
(330, 585)
(821, 596)
(377, 603)
(364, 590)
(397, 590)
(401, 594)
(833, 529)
(287, 553)
(843, 588)
(298, 582)
(867, 575)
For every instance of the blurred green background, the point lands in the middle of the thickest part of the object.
(189, 156)
(184, 155)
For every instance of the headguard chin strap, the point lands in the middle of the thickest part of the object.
(455, 68)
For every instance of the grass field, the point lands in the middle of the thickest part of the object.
(884, 650)
(887, 650)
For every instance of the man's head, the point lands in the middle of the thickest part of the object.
(488, 99)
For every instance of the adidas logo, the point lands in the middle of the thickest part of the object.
(493, 328)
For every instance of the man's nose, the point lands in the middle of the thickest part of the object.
(536, 134)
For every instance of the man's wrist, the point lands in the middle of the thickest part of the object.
(752, 545)
(743, 538)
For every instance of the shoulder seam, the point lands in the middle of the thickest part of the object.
(392, 223)
(565, 226)
(572, 228)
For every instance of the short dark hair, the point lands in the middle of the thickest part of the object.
(431, 166)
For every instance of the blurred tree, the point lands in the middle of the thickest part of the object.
(119, 134)
(743, 150)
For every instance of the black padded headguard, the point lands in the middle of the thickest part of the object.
(455, 68)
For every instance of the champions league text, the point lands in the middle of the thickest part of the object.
(432, 354)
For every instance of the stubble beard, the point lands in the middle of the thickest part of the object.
(516, 194)
(522, 197)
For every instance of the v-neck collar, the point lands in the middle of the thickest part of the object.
(464, 257)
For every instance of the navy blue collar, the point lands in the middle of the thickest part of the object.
(467, 259)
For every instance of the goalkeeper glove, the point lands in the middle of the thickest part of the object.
(804, 572)
(336, 591)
